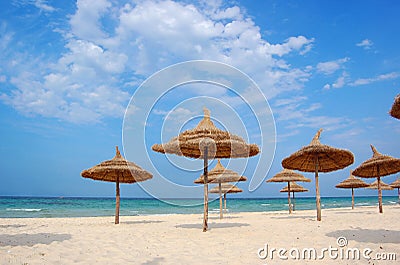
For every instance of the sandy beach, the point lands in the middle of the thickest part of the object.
(178, 239)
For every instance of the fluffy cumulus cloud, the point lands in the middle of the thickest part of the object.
(331, 66)
(110, 47)
(366, 44)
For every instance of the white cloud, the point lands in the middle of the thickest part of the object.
(366, 44)
(331, 66)
(100, 61)
(383, 77)
(341, 81)
(42, 5)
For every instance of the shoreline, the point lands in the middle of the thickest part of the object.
(178, 238)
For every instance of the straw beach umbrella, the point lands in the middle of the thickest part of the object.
(294, 187)
(384, 186)
(219, 174)
(352, 183)
(396, 185)
(117, 170)
(205, 141)
(376, 167)
(287, 175)
(395, 110)
(317, 157)
(225, 188)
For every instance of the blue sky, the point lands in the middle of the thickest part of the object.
(69, 70)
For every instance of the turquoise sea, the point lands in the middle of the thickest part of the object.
(24, 207)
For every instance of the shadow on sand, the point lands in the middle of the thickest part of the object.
(32, 239)
(368, 235)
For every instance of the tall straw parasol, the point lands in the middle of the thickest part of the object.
(219, 174)
(317, 157)
(395, 110)
(376, 167)
(396, 184)
(205, 141)
(117, 170)
(352, 183)
(294, 187)
(384, 186)
(287, 175)
(225, 188)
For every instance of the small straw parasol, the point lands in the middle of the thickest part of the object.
(287, 175)
(317, 157)
(219, 174)
(396, 184)
(205, 141)
(294, 187)
(384, 186)
(352, 183)
(117, 170)
(395, 110)
(376, 167)
(225, 188)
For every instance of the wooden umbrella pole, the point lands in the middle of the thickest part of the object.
(318, 197)
(352, 198)
(294, 201)
(117, 202)
(205, 217)
(220, 200)
(379, 192)
(289, 203)
(225, 202)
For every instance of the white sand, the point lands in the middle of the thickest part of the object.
(178, 239)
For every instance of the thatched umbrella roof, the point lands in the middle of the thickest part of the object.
(287, 175)
(226, 188)
(294, 187)
(317, 157)
(221, 144)
(395, 110)
(205, 141)
(352, 182)
(376, 167)
(220, 174)
(329, 158)
(384, 186)
(117, 170)
(396, 183)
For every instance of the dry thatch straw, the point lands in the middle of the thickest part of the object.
(396, 185)
(294, 187)
(376, 167)
(384, 186)
(287, 175)
(317, 157)
(219, 174)
(207, 141)
(221, 144)
(395, 110)
(225, 188)
(117, 170)
(352, 183)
